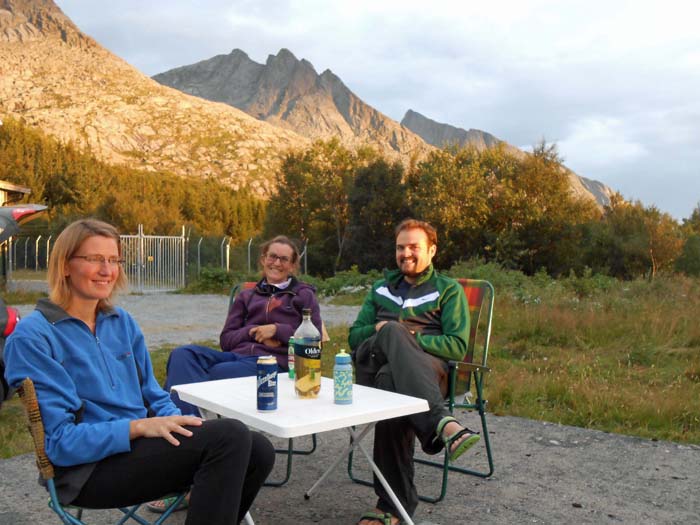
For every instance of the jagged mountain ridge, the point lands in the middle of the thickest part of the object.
(440, 135)
(58, 79)
(25, 20)
(287, 92)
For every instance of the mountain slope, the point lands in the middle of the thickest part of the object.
(440, 135)
(56, 78)
(288, 93)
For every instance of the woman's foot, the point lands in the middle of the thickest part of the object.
(378, 517)
(161, 505)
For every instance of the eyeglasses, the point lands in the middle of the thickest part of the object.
(99, 260)
(271, 258)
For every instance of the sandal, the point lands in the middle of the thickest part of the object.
(382, 517)
(159, 506)
(464, 445)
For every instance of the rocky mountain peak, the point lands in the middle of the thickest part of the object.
(284, 59)
(27, 20)
(439, 134)
(85, 95)
(288, 92)
(238, 55)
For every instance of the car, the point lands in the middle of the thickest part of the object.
(9, 316)
(11, 217)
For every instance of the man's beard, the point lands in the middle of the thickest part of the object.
(412, 262)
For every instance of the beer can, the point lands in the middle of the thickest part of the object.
(267, 383)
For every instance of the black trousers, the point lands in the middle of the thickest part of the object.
(224, 462)
(392, 360)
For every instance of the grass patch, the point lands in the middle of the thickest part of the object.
(585, 351)
(354, 299)
(29, 275)
(14, 436)
(21, 297)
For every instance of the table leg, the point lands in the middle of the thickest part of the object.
(406, 518)
(356, 439)
(336, 462)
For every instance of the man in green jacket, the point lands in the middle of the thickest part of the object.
(410, 323)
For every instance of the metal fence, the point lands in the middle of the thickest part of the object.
(155, 263)
(221, 252)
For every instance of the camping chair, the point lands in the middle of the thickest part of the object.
(290, 451)
(69, 515)
(469, 376)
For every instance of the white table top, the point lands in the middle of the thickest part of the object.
(236, 398)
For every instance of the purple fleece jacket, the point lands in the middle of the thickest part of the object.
(260, 305)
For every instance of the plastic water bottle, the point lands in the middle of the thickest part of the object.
(342, 378)
(307, 358)
(290, 358)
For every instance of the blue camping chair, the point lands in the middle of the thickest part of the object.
(69, 515)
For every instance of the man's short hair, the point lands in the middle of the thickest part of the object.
(412, 224)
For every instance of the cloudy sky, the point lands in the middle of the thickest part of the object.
(614, 83)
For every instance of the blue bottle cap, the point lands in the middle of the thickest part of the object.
(342, 358)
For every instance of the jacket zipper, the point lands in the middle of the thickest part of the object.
(267, 308)
(104, 361)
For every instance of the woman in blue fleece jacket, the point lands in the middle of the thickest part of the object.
(96, 389)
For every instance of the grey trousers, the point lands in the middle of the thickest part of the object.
(392, 360)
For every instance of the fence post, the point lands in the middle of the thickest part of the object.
(36, 254)
(183, 254)
(139, 259)
(199, 257)
(26, 241)
(249, 243)
(14, 253)
(48, 247)
(304, 255)
(224, 262)
(10, 252)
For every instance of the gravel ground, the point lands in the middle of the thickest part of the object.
(545, 473)
(180, 319)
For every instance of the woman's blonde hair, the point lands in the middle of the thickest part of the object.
(65, 247)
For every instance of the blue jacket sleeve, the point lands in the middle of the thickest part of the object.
(67, 443)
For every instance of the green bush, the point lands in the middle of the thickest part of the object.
(689, 261)
(216, 280)
(348, 281)
(496, 274)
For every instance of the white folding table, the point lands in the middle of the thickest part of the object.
(294, 417)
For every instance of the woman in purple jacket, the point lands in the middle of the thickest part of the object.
(260, 322)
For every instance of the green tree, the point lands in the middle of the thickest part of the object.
(689, 260)
(691, 225)
(377, 203)
(311, 200)
(634, 240)
(75, 184)
(449, 190)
